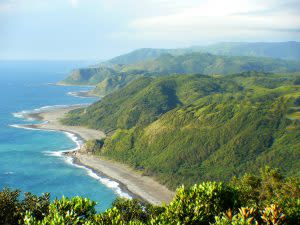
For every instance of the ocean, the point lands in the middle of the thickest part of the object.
(31, 160)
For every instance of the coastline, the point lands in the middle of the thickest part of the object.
(131, 181)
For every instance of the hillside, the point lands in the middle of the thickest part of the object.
(109, 78)
(190, 128)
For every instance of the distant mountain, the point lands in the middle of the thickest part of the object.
(184, 129)
(281, 50)
(114, 76)
(145, 54)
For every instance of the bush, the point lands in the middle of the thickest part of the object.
(12, 209)
(77, 210)
(267, 199)
(270, 188)
(270, 215)
(199, 204)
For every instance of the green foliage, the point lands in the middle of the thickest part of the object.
(199, 204)
(251, 216)
(65, 211)
(37, 205)
(91, 146)
(12, 209)
(274, 201)
(126, 211)
(9, 206)
(270, 188)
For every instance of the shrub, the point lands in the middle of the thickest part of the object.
(77, 210)
(199, 204)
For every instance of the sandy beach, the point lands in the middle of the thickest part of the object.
(52, 117)
(141, 186)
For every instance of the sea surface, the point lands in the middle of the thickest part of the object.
(30, 160)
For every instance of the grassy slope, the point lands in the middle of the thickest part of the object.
(185, 129)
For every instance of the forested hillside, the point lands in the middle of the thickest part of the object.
(184, 129)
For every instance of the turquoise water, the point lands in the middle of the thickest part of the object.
(28, 158)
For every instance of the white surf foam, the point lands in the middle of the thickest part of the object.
(9, 173)
(115, 186)
(76, 139)
(76, 94)
(25, 126)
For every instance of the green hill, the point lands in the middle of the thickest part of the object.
(190, 128)
(109, 78)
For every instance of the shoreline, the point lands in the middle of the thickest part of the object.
(130, 181)
(122, 186)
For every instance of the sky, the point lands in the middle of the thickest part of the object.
(101, 29)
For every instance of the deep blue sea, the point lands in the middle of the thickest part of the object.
(27, 157)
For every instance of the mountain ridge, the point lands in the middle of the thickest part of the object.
(110, 78)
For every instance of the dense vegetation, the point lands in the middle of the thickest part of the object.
(266, 199)
(184, 129)
(111, 76)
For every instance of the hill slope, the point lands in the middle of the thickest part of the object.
(190, 128)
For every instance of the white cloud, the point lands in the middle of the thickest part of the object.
(74, 3)
(6, 5)
(218, 19)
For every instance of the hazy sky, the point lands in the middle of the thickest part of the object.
(99, 29)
